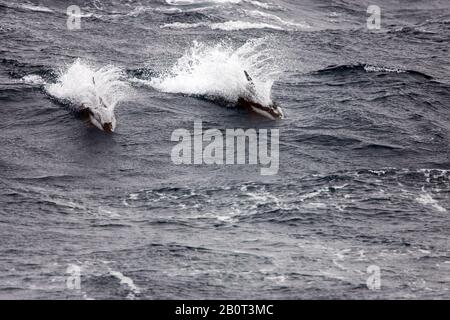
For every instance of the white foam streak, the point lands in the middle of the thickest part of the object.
(243, 25)
(35, 8)
(369, 68)
(142, 10)
(226, 26)
(260, 4)
(124, 280)
(259, 14)
(197, 2)
(426, 199)
(202, 2)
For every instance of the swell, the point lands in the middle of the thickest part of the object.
(367, 68)
(17, 69)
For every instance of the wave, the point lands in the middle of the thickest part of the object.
(256, 18)
(36, 8)
(272, 17)
(27, 7)
(31, 7)
(218, 71)
(243, 25)
(199, 2)
(426, 199)
(226, 26)
(264, 5)
(18, 69)
(143, 10)
(75, 85)
(255, 3)
(271, 21)
(370, 68)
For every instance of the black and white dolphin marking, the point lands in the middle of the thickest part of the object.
(272, 111)
(100, 115)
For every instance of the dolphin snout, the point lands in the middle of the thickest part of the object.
(107, 127)
(279, 113)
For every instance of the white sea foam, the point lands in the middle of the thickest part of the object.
(243, 25)
(124, 280)
(139, 10)
(426, 199)
(218, 71)
(181, 25)
(370, 68)
(258, 20)
(260, 4)
(226, 26)
(199, 2)
(33, 79)
(274, 18)
(35, 8)
(202, 2)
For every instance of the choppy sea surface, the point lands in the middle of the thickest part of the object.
(364, 177)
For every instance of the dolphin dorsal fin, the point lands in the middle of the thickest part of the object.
(100, 100)
(249, 79)
(251, 85)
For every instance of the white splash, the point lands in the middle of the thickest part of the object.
(218, 71)
(100, 89)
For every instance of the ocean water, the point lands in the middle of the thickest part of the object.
(364, 177)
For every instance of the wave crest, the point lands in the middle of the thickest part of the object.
(226, 26)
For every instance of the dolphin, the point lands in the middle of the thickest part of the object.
(100, 115)
(247, 101)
